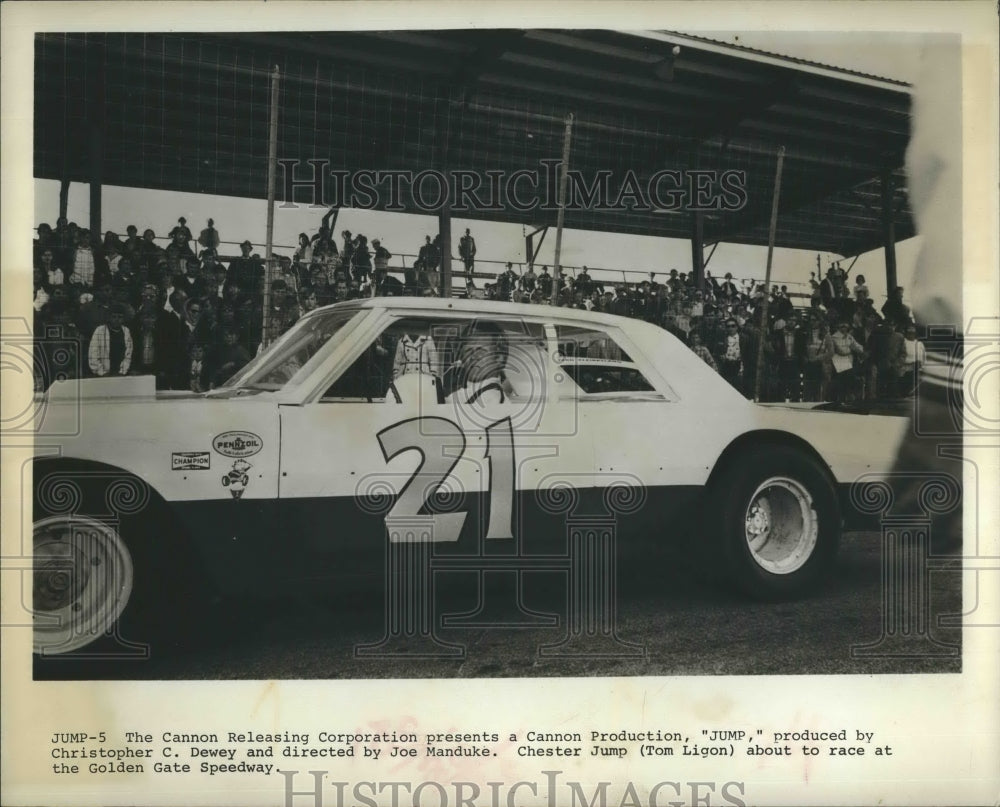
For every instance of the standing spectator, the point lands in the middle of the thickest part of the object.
(731, 352)
(180, 233)
(728, 290)
(382, 256)
(171, 344)
(347, 251)
(209, 238)
(860, 289)
(506, 283)
(529, 279)
(788, 348)
(895, 310)
(845, 348)
(361, 260)
(916, 357)
(424, 255)
(303, 252)
(84, 266)
(467, 252)
(110, 351)
(583, 282)
(150, 251)
(818, 366)
(828, 291)
(245, 271)
(545, 282)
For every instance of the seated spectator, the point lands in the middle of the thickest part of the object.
(386, 285)
(307, 300)
(45, 240)
(282, 312)
(198, 368)
(54, 275)
(110, 351)
(228, 359)
(178, 251)
(143, 332)
(701, 351)
(59, 346)
(95, 312)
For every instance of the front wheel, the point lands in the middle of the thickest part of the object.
(778, 523)
(83, 578)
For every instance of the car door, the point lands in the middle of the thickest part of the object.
(397, 445)
(649, 461)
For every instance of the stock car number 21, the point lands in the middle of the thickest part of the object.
(442, 444)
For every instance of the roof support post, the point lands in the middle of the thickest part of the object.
(767, 275)
(272, 173)
(95, 115)
(698, 248)
(889, 231)
(444, 212)
(563, 189)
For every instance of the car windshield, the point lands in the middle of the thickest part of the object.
(293, 357)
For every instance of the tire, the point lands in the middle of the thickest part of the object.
(778, 527)
(82, 581)
(113, 578)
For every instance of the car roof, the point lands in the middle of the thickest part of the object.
(490, 307)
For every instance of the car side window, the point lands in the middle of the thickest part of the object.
(599, 366)
(429, 358)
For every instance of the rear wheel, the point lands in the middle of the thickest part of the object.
(778, 526)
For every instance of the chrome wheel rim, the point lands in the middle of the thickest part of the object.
(82, 579)
(781, 525)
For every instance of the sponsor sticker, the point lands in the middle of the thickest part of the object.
(237, 478)
(237, 444)
(190, 461)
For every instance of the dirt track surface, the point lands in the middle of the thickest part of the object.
(668, 622)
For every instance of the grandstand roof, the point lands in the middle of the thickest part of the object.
(189, 112)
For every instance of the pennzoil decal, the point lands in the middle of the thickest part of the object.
(190, 461)
(237, 444)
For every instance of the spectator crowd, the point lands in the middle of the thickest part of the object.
(192, 317)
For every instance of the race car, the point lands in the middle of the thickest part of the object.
(467, 425)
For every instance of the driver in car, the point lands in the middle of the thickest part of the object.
(477, 375)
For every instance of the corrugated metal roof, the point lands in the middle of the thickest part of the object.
(189, 112)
